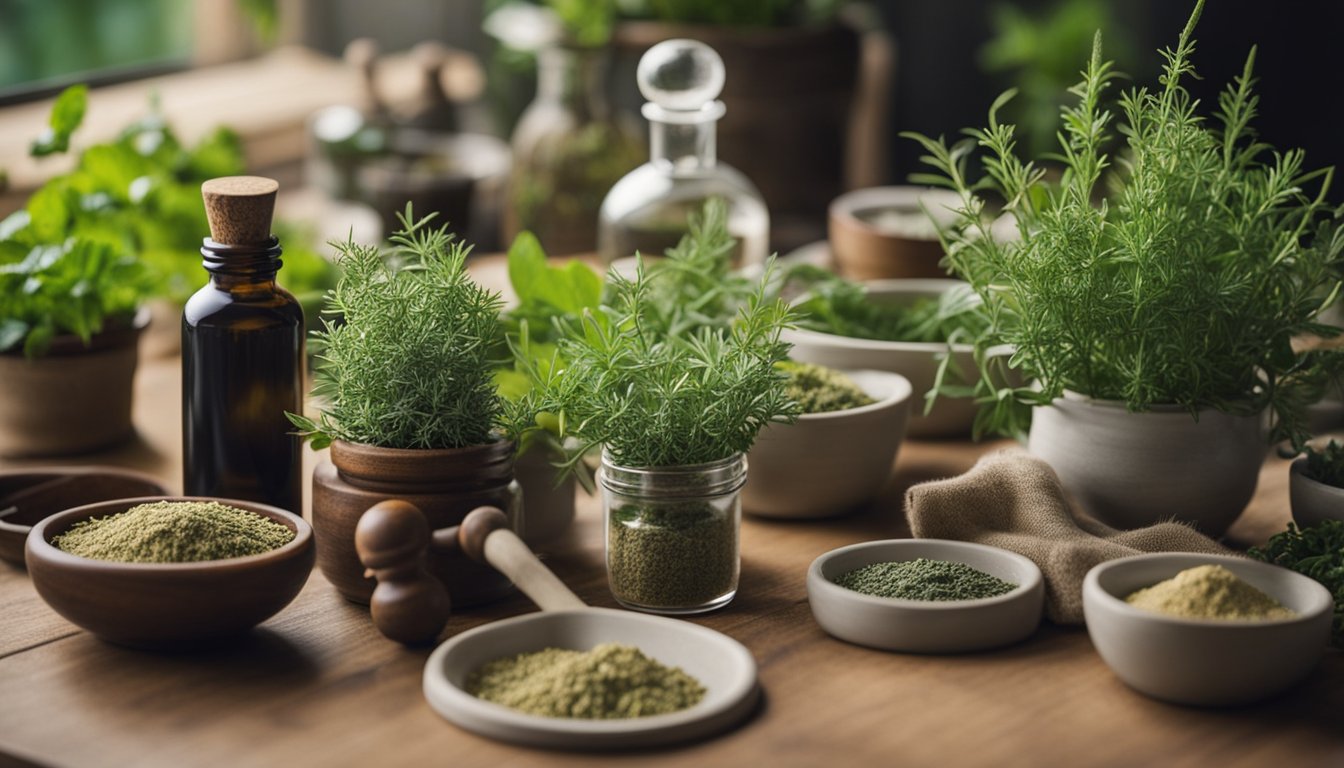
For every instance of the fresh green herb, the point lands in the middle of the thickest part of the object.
(66, 115)
(1327, 465)
(1186, 287)
(586, 23)
(1318, 552)
(409, 366)
(837, 306)
(922, 579)
(818, 389)
(656, 400)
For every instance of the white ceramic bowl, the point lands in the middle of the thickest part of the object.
(826, 464)
(916, 361)
(926, 626)
(1205, 662)
(1311, 500)
(723, 665)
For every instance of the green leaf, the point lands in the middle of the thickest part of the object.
(49, 213)
(39, 338)
(66, 115)
(543, 289)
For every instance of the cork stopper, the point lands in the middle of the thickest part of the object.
(239, 209)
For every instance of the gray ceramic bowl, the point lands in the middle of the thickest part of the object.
(1205, 662)
(1312, 501)
(791, 478)
(921, 626)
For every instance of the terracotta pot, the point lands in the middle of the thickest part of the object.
(74, 399)
(1130, 470)
(886, 232)
(445, 484)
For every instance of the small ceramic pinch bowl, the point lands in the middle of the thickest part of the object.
(165, 605)
(926, 626)
(721, 664)
(1205, 662)
(826, 464)
(1311, 500)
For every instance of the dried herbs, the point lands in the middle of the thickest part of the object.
(671, 555)
(174, 532)
(922, 579)
(1209, 592)
(818, 389)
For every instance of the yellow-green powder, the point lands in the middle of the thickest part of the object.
(1209, 592)
(819, 389)
(610, 682)
(174, 532)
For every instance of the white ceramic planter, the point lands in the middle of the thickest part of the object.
(826, 464)
(916, 361)
(1312, 501)
(1130, 470)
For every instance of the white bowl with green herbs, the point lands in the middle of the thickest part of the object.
(995, 597)
(830, 462)
(1205, 661)
(863, 336)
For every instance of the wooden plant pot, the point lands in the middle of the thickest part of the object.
(1131, 470)
(445, 484)
(72, 400)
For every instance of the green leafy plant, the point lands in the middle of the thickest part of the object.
(656, 400)
(1317, 552)
(66, 115)
(1327, 465)
(409, 365)
(837, 306)
(1186, 286)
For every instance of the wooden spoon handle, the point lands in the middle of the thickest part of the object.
(485, 536)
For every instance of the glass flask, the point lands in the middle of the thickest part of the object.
(568, 149)
(647, 210)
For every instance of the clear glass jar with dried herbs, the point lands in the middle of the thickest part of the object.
(672, 534)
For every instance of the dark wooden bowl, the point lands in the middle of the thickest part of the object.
(168, 605)
(40, 492)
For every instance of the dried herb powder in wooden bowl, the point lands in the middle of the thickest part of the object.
(671, 555)
(923, 579)
(1209, 592)
(818, 389)
(174, 532)
(610, 682)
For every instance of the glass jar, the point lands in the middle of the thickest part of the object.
(672, 534)
(648, 210)
(568, 149)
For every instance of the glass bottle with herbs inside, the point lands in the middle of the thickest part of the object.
(568, 149)
(647, 210)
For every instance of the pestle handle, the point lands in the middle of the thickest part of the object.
(485, 536)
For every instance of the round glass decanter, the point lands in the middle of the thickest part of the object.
(647, 210)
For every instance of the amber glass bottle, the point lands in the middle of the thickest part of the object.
(242, 357)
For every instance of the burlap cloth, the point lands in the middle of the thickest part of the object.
(1014, 501)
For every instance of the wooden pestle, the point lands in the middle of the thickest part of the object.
(411, 606)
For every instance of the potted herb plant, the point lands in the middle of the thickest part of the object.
(675, 406)
(409, 403)
(1156, 326)
(1316, 485)
(70, 319)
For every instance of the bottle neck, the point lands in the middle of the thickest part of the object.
(234, 267)
(574, 78)
(683, 147)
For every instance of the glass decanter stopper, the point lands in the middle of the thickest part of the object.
(648, 209)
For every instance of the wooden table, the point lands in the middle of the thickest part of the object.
(317, 685)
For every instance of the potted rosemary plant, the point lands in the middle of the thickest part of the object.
(675, 406)
(409, 404)
(1156, 325)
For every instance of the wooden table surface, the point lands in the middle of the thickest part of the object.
(317, 685)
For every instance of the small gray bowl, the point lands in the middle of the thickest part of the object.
(1205, 662)
(1311, 500)
(926, 626)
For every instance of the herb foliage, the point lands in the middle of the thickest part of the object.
(1317, 552)
(1185, 287)
(1327, 465)
(409, 365)
(837, 306)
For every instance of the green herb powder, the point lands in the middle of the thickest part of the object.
(671, 556)
(818, 389)
(610, 682)
(174, 532)
(924, 580)
(1209, 592)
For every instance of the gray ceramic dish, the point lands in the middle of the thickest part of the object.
(921, 626)
(723, 665)
(1205, 662)
(1312, 501)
